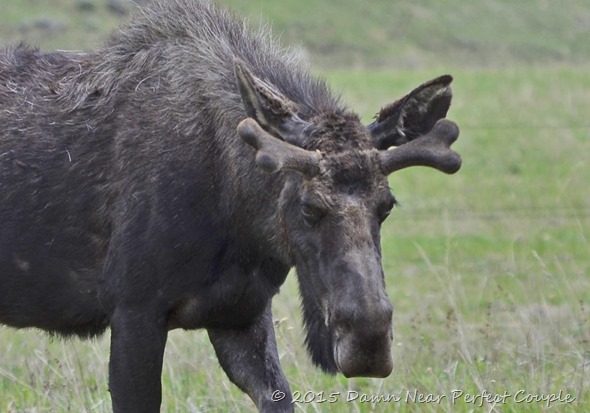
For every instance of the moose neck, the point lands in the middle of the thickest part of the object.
(255, 210)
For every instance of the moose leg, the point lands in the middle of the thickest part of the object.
(137, 349)
(249, 357)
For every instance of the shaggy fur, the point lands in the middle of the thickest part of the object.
(129, 201)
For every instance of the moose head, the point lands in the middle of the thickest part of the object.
(335, 197)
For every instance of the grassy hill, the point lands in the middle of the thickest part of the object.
(351, 33)
(418, 33)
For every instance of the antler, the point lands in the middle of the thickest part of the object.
(432, 149)
(273, 154)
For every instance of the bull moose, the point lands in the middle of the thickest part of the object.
(173, 177)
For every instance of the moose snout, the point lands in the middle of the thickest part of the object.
(363, 337)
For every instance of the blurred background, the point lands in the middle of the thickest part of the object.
(351, 33)
(488, 269)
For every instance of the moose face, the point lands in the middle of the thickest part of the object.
(334, 200)
(333, 221)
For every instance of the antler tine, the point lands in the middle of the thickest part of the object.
(432, 149)
(273, 154)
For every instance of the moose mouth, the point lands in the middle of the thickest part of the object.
(363, 356)
(360, 341)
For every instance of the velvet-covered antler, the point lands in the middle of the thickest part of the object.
(432, 149)
(273, 154)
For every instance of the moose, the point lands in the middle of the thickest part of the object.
(174, 176)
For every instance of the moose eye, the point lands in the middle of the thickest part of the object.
(311, 213)
(386, 207)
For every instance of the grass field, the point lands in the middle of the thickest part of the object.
(488, 271)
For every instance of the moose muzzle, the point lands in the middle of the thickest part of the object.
(362, 339)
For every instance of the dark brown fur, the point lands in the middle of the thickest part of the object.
(129, 201)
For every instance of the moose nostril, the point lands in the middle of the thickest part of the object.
(344, 317)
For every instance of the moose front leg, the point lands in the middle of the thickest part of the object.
(138, 339)
(249, 357)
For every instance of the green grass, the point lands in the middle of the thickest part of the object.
(417, 33)
(352, 33)
(58, 24)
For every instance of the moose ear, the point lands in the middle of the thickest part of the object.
(413, 115)
(275, 113)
